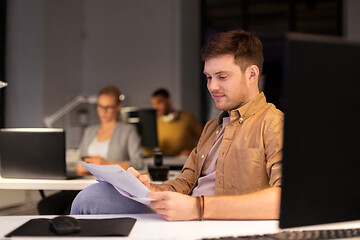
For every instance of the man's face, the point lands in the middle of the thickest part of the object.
(226, 82)
(161, 105)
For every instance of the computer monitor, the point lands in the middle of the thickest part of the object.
(321, 163)
(145, 121)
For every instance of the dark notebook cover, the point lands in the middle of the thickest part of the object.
(89, 227)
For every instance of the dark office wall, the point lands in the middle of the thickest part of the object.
(2, 59)
(24, 63)
(63, 39)
(191, 67)
(351, 20)
(60, 49)
(135, 45)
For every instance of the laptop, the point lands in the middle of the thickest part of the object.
(33, 153)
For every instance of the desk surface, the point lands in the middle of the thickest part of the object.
(73, 184)
(46, 184)
(152, 226)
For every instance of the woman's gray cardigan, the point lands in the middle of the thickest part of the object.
(125, 144)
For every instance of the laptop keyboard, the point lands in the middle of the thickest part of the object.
(299, 235)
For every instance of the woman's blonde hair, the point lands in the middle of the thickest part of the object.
(112, 91)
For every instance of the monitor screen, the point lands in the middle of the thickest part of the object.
(145, 121)
(321, 163)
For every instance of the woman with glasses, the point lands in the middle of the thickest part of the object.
(111, 141)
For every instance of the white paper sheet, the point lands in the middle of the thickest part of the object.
(124, 182)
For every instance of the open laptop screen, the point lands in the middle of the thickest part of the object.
(32, 153)
(321, 163)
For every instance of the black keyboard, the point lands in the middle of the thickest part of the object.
(299, 235)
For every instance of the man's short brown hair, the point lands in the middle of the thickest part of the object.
(246, 48)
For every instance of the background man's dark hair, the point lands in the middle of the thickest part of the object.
(246, 48)
(161, 92)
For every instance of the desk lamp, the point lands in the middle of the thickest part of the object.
(3, 84)
(49, 120)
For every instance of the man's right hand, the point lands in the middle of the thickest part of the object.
(142, 178)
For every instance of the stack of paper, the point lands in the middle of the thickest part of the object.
(124, 182)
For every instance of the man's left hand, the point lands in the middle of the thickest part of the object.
(174, 206)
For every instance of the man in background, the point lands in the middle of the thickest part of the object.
(178, 131)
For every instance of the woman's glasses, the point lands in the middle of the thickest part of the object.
(105, 108)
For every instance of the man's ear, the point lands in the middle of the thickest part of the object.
(252, 74)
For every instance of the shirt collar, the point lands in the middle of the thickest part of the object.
(244, 112)
(170, 117)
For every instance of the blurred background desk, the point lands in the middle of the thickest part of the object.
(78, 183)
(15, 201)
(175, 163)
(20, 196)
(46, 184)
(74, 184)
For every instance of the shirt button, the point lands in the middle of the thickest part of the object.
(217, 132)
(241, 120)
(202, 156)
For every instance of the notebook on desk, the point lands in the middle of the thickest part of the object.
(33, 153)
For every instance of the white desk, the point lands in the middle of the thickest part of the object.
(74, 184)
(46, 184)
(152, 226)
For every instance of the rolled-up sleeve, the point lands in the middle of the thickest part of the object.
(273, 149)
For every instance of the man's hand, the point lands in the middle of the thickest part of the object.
(174, 206)
(146, 181)
(142, 178)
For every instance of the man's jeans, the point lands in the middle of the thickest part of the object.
(103, 198)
